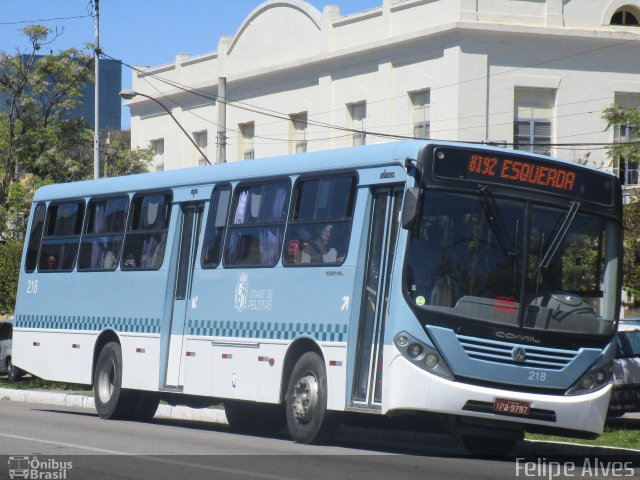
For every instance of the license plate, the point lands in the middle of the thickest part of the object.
(511, 407)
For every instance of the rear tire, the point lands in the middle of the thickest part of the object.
(13, 373)
(254, 417)
(112, 401)
(145, 406)
(308, 419)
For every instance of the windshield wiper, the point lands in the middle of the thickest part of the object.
(488, 205)
(560, 234)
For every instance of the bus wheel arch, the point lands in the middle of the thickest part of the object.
(298, 348)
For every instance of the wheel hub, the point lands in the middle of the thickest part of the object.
(305, 398)
(106, 381)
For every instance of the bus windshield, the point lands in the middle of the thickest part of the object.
(511, 262)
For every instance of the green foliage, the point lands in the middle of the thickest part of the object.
(10, 252)
(41, 143)
(630, 118)
(631, 265)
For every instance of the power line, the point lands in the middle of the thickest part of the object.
(44, 20)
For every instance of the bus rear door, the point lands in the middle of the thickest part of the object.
(190, 219)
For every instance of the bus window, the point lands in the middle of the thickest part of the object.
(216, 223)
(146, 236)
(258, 217)
(102, 240)
(320, 224)
(37, 225)
(61, 237)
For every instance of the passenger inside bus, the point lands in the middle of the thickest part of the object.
(250, 251)
(320, 250)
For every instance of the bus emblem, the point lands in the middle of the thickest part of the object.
(519, 354)
(242, 290)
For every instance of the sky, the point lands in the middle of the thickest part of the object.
(138, 32)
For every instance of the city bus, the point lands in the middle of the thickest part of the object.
(470, 285)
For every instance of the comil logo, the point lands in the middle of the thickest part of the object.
(37, 469)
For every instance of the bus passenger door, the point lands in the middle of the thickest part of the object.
(191, 218)
(383, 232)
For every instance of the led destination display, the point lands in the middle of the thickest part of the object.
(531, 173)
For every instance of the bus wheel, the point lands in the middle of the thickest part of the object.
(308, 419)
(112, 401)
(254, 417)
(145, 405)
(13, 373)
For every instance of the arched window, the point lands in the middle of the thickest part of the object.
(625, 17)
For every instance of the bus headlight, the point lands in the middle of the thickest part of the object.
(431, 360)
(414, 350)
(422, 355)
(596, 378)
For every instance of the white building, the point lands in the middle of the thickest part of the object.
(512, 71)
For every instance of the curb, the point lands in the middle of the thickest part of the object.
(84, 401)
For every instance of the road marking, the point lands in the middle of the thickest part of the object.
(149, 458)
(63, 444)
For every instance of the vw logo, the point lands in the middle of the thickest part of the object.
(519, 354)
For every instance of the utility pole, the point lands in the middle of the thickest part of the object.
(96, 100)
(221, 140)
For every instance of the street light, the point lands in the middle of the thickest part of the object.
(129, 94)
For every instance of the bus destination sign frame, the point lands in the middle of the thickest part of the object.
(547, 176)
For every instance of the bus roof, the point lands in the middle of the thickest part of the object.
(343, 158)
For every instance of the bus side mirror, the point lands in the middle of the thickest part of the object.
(410, 208)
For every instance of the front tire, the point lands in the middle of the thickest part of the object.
(112, 401)
(308, 419)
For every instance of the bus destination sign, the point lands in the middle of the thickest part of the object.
(521, 171)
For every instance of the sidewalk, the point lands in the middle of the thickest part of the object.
(84, 401)
(437, 444)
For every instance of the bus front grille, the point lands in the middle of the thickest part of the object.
(516, 354)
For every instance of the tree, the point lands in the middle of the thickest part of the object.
(42, 142)
(39, 92)
(619, 154)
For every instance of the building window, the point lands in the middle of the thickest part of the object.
(357, 116)
(247, 132)
(532, 124)
(421, 113)
(626, 168)
(626, 18)
(201, 140)
(299, 132)
(158, 154)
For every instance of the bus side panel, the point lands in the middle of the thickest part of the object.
(268, 371)
(140, 362)
(234, 371)
(253, 315)
(57, 356)
(198, 373)
(336, 366)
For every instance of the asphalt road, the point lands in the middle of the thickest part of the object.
(76, 444)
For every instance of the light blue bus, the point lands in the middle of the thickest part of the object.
(474, 286)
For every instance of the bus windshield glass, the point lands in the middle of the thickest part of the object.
(502, 260)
